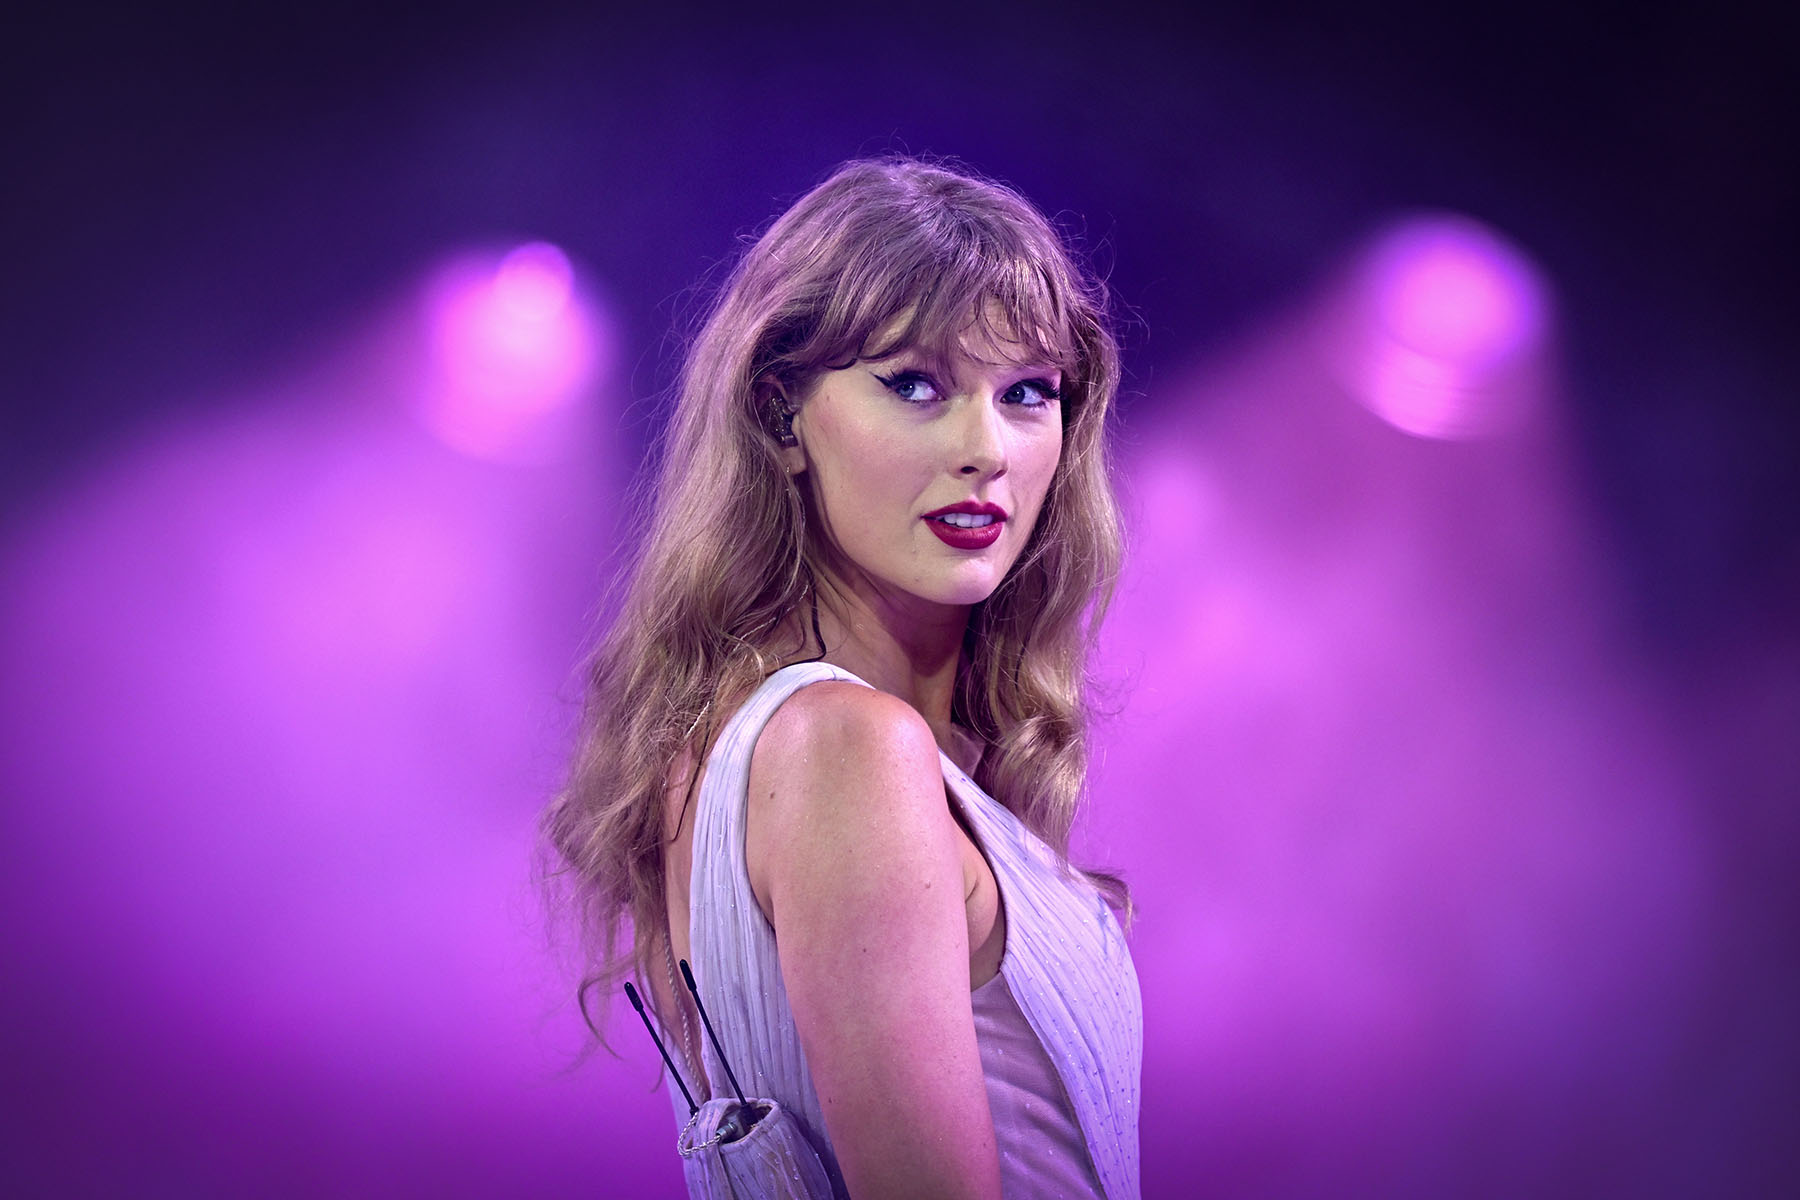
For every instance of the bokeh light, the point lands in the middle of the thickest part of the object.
(1418, 844)
(1447, 320)
(516, 345)
(286, 688)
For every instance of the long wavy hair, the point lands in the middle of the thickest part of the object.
(904, 253)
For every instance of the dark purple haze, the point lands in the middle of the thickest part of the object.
(1456, 667)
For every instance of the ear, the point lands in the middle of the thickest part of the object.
(786, 420)
(794, 457)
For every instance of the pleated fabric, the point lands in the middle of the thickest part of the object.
(1065, 962)
(774, 1161)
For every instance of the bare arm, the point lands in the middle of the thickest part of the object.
(853, 853)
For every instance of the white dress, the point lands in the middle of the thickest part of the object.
(1060, 1028)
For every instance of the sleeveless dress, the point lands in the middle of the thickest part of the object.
(1060, 1028)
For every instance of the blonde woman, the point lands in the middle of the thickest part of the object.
(834, 739)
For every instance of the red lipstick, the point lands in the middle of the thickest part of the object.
(968, 537)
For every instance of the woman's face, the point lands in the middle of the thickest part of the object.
(928, 475)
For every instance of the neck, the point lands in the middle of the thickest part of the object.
(905, 647)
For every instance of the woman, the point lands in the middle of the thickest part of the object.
(834, 739)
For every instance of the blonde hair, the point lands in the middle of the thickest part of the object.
(913, 254)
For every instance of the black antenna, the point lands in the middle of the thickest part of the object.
(688, 977)
(631, 994)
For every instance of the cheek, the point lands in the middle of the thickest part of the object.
(852, 466)
(1042, 456)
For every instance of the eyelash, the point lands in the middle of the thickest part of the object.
(1047, 392)
(900, 379)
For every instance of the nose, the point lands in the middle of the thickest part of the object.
(981, 448)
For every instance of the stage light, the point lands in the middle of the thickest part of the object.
(515, 346)
(1449, 316)
(533, 285)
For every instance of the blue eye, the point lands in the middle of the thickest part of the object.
(914, 387)
(1032, 393)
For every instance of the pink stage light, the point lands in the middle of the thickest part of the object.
(515, 348)
(533, 285)
(1449, 318)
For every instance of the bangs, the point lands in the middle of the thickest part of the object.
(940, 296)
(1007, 305)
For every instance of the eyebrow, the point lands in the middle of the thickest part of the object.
(931, 364)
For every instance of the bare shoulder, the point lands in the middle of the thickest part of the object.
(838, 722)
(839, 768)
(856, 860)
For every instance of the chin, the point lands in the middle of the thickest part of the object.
(970, 588)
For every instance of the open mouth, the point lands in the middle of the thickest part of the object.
(966, 531)
(963, 520)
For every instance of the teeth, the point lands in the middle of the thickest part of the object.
(966, 520)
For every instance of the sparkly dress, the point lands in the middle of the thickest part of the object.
(1060, 1028)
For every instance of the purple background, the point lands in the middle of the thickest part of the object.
(1456, 668)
